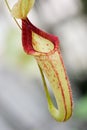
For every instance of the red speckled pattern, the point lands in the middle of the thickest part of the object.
(52, 65)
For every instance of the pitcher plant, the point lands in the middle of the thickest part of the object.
(45, 48)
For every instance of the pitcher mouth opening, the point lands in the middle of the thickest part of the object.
(36, 41)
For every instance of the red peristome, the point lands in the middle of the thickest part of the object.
(27, 28)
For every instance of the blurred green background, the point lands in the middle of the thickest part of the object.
(23, 104)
